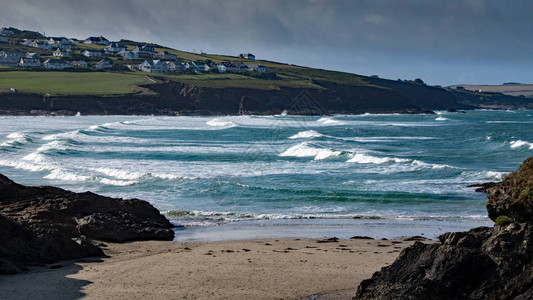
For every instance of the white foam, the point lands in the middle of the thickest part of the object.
(495, 175)
(362, 158)
(330, 121)
(304, 150)
(61, 174)
(220, 123)
(440, 118)
(520, 143)
(24, 165)
(55, 145)
(306, 134)
(119, 174)
(117, 182)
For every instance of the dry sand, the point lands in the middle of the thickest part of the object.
(249, 269)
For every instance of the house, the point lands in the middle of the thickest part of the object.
(257, 67)
(144, 49)
(6, 32)
(41, 45)
(26, 42)
(152, 66)
(114, 48)
(55, 64)
(58, 41)
(166, 55)
(3, 40)
(200, 66)
(29, 62)
(221, 68)
(88, 53)
(247, 56)
(128, 54)
(79, 64)
(242, 67)
(99, 40)
(6, 61)
(61, 53)
(171, 66)
(104, 64)
(32, 55)
(75, 41)
(227, 66)
(15, 54)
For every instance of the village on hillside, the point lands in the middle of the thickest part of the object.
(32, 50)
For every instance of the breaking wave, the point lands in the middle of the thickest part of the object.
(520, 143)
(306, 134)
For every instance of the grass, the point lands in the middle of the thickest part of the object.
(61, 83)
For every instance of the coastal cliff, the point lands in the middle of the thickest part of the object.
(41, 225)
(176, 98)
(483, 263)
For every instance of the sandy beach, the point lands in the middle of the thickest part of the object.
(246, 269)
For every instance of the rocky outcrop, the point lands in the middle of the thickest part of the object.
(46, 224)
(483, 263)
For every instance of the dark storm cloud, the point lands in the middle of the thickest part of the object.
(390, 38)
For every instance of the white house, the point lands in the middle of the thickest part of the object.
(29, 62)
(114, 48)
(42, 45)
(200, 66)
(55, 64)
(88, 53)
(257, 67)
(99, 40)
(61, 53)
(144, 49)
(152, 66)
(247, 56)
(79, 64)
(128, 54)
(170, 66)
(104, 64)
(221, 68)
(227, 67)
(32, 55)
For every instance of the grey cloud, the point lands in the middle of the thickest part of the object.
(352, 35)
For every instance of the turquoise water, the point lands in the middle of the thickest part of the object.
(266, 176)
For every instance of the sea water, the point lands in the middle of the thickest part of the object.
(233, 177)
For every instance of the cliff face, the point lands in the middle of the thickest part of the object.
(483, 263)
(174, 98)
(45, 224)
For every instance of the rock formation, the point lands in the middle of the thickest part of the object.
(483, 263)
(41, 225)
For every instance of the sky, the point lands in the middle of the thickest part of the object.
(441, 42)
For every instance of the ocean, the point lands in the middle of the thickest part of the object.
(238, 177)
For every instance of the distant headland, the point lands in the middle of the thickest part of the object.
(42, 75)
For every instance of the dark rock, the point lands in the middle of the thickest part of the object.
(41, 225)
(361, 237)
(329, 240)
(482, 187)
(513, 197)
(415, 238)
(483, 263)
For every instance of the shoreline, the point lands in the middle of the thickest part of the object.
(289, 268)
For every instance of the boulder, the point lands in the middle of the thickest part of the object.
(483, 263)
(40, 225)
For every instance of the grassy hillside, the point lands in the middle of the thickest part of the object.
(61, 83)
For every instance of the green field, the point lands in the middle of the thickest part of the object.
(63, 83)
